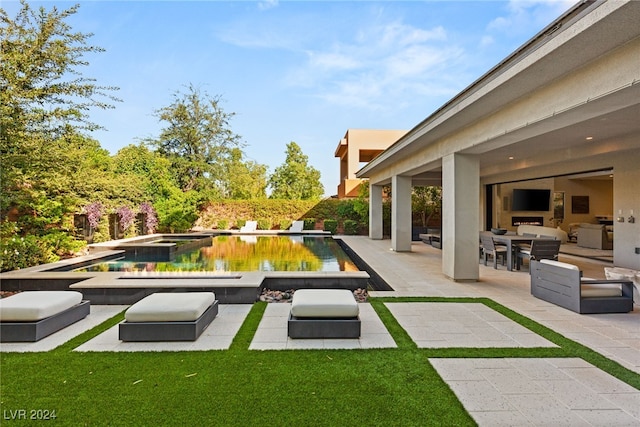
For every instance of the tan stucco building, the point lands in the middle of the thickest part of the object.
(565, 103)
(357, 147)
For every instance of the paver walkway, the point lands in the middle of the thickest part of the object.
(443, 325)
(533, 392)
(540, 392)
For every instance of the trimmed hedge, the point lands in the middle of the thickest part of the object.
(350, 227)
(331, 225)
(276, 213)
(264, 224)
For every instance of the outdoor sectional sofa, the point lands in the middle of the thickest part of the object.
(561, 284)
(324, 313)
(32, 315)
(169, 317)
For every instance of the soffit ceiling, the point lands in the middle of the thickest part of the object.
(610, 120)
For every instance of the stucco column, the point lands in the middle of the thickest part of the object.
(353, 159)
(460, 216)
(375, 211)
(401, 213)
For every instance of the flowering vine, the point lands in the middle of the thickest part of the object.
(126, 217)
(94, 213)
(151, 221)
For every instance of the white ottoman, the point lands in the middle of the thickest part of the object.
(324, 313)
(32, 315)
(169, 317)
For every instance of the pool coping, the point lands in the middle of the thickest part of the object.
(127, 287)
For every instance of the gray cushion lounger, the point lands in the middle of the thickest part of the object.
(324, 313)
(32, 315)
(169, 317)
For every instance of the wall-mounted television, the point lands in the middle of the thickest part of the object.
(530, 200)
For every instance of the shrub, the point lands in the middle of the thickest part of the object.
(350, 227)
(223, 224)
(61, 243)
(331, 225)
(309, 223)
(23, 252)
(347, 210)
(264, 224)
(285, 224)
(178, 212)
(101, 233)
(241, 223)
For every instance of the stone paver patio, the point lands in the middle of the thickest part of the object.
(443, 325)
(540, 392)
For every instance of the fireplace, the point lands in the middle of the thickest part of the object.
(526, 220)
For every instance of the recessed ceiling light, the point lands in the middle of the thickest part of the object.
(589, 138)
(511, 157)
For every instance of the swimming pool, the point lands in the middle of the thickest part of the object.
(240, 253)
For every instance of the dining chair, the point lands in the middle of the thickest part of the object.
(540, 249)
(489, 247)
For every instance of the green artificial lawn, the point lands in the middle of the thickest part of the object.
(256, 388)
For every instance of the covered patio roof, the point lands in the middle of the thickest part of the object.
(579, 77)
(566, 102)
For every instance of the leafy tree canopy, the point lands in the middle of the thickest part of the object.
(197, 139)
(245, 179)
(295, 179)
(44, 104)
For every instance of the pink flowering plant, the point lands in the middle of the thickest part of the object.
(94, 213)
(151, 217)
(126, 217)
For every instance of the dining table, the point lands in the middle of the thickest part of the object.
(511, 240)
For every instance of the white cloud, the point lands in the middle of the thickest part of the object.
(381, 67)
(486, 41)
(332, 61)
(267, 4)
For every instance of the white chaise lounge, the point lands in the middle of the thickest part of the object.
(32, 315)
(169, 317)
(324, 313)
(249, 227)
(297, 227)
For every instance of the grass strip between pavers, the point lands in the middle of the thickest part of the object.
(91, 333)
(567, 347)
(245, 334)
(254, 388)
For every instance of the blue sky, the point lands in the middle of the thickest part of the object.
(303, 71)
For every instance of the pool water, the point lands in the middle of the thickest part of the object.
(246, 253)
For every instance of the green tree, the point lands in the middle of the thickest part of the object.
(244, 179)
(426, 202)
(44, 104)
(197, 140)
(295, 179)
(151, 171)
